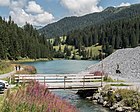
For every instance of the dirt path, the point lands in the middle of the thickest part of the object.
(2, 76)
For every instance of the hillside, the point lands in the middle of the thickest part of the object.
(68, 24)
(128, 61)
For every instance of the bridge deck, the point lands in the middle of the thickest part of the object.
(63, 81)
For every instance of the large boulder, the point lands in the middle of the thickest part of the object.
(96, 96)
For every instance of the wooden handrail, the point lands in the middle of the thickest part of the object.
(67, 81)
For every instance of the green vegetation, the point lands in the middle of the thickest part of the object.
(66, 25)
(35, 98)
(5, 67)
(17, 43)
(121, 84)
(121, 98)
(1, 101)
(131, 98)
(111, 29)
(62, 50)
(106, 38)
(27, 70)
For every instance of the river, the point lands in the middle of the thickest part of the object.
(64, 67)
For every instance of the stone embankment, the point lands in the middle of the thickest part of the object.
(127, 61)
(120, 100)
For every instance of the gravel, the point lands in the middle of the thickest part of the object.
(128, 61)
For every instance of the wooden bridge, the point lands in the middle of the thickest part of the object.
(63, 81)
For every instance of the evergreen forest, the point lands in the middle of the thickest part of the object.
(25, 42)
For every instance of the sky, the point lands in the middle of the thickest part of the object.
(43, 12)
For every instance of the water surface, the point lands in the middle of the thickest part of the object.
(61, 66)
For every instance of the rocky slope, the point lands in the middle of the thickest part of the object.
(128, 61)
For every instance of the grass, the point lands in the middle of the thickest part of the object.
(109, 79)
(1, 100)
(95, 49)
(62, 47)
(124, 97)
(121, 84)
(30, 60)
(6, 67)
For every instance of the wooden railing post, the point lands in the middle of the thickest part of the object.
(44, 80)
(65, 82)
(84, 82)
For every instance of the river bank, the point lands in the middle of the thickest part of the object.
(118, 100)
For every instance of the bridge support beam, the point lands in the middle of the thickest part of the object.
(87, 92)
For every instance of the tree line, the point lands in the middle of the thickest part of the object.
(112, 35)
(25, 42)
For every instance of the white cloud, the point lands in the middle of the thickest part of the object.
(124, 4)
(31, 12)
(4, 2)
(20, 17)
(44, 18)
(81, 7)
(33, 7)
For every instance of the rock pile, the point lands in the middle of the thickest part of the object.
(117, 102)
(127, 61)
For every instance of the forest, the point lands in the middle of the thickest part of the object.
(17, 43)
(69, 24)
(122, 33)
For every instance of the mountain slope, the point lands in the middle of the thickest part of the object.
(69, 24)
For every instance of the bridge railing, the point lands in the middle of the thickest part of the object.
(61, 81)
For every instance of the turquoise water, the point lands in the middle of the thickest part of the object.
(64, 67)
(61, 66)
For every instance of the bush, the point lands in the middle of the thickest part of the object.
(35, 98)
(130, 98)
(27, 70)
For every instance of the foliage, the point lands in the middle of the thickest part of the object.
(130, 98)
(27, 70)
(108, 79)
(113, 28)
(17, 43)
(121, 84)
(67, 25)
(124, 97)
(35, 98)
(1, 101)
(5, 67)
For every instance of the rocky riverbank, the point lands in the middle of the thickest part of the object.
(119, 100)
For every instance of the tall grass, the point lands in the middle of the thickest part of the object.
(35, 98)
(5, 67)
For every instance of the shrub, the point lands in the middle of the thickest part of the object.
(35, 98)
(130, 98)
(27, 70)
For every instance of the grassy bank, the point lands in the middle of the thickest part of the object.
(30, 60)
(6, 67)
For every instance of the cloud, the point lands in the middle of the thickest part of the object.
(4, 2)
(82, 7)
(124, 4)
(33, 7)
(44, 17)
(23, 11)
